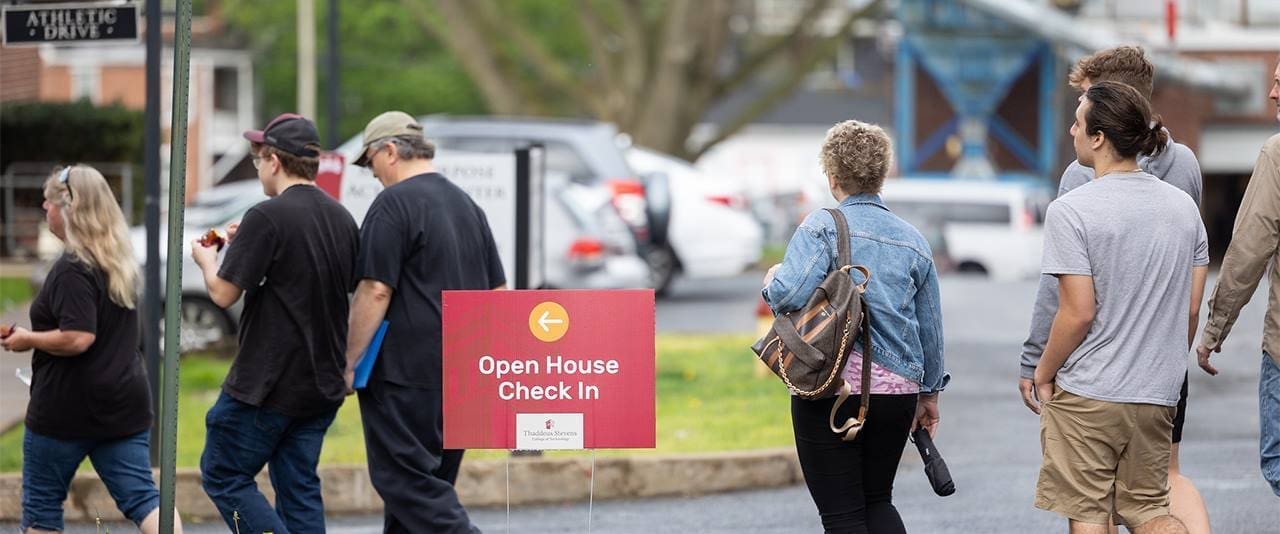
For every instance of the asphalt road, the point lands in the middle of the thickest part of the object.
(989, 439)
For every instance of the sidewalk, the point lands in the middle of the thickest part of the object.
(13, 394)
(481, 483)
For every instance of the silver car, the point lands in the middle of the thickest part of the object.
(203, 322)
(586, 245)
(587, 160)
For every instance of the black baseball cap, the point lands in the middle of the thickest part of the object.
(288, 132)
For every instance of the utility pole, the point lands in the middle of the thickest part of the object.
(307, 58)
(151, 173)
(334, 83)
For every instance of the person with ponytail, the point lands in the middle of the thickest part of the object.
(1131, 256)
(89, 390)
(1176, 165)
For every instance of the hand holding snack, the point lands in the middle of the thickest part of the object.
(16, 340)
(213, 238)
(204, 252)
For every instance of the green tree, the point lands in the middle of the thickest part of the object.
(388, 62)
(653, 67)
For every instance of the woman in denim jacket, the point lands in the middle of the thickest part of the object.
(852, 482)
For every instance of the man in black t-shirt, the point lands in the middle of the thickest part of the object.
(421, 236)
(293, 258)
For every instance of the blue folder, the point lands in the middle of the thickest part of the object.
(365, 366)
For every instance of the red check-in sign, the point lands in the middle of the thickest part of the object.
(548, 369)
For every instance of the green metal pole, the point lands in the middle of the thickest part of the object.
(173, 276)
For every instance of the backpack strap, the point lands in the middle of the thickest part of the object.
(852, 425)
(843, 256)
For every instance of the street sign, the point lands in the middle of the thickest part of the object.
(80, 23)
(540, 370)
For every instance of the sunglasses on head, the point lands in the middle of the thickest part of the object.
(65, 179)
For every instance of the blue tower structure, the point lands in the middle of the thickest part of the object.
(974, 59)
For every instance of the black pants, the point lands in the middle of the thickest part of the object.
(414, 475)
(1180, 416)
(852, 482)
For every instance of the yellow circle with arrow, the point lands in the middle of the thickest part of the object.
(549, 321)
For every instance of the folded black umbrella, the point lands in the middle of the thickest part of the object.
(934, 467)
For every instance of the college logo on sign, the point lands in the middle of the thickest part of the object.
(546, 431)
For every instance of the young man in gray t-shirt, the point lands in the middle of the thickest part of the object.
(1175, 165)
(1139, 256)
(1131, 257)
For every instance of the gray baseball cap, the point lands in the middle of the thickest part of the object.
(389, 124)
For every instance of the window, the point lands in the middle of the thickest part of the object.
(563, 158)
(226, 89)
(84, 82)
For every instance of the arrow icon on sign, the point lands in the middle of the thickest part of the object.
(548, 322)
(545, 320)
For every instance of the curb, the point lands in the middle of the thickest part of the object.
(481, 483)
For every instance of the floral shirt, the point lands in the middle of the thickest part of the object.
(883, 381)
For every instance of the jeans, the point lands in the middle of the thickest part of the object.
(851, 482)
(48, 465)
(241, 439)
(1269, 417)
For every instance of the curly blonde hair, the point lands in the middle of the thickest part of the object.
(857, 155)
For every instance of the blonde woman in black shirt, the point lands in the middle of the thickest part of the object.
(89, 392)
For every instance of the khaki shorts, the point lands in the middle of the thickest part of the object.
(1103, 459)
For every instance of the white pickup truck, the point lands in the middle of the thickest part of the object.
(990, 228)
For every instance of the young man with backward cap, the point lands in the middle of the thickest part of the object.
(292, 257)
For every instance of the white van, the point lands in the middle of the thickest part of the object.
(991, 228)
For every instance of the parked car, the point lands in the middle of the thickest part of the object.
(588, 241)
(985, 228)
(993, 228)
(587, 155)
(599, 254)
(203, 322)
(587, 244)
(712, 232)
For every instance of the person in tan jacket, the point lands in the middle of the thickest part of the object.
(1255, 243)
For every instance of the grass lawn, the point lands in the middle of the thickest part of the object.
(13, 291)
(709, 399)
(772, 254)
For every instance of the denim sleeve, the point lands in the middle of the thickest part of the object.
(804, 266)
(928, 304)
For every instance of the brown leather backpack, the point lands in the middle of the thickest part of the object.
(808, 348)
